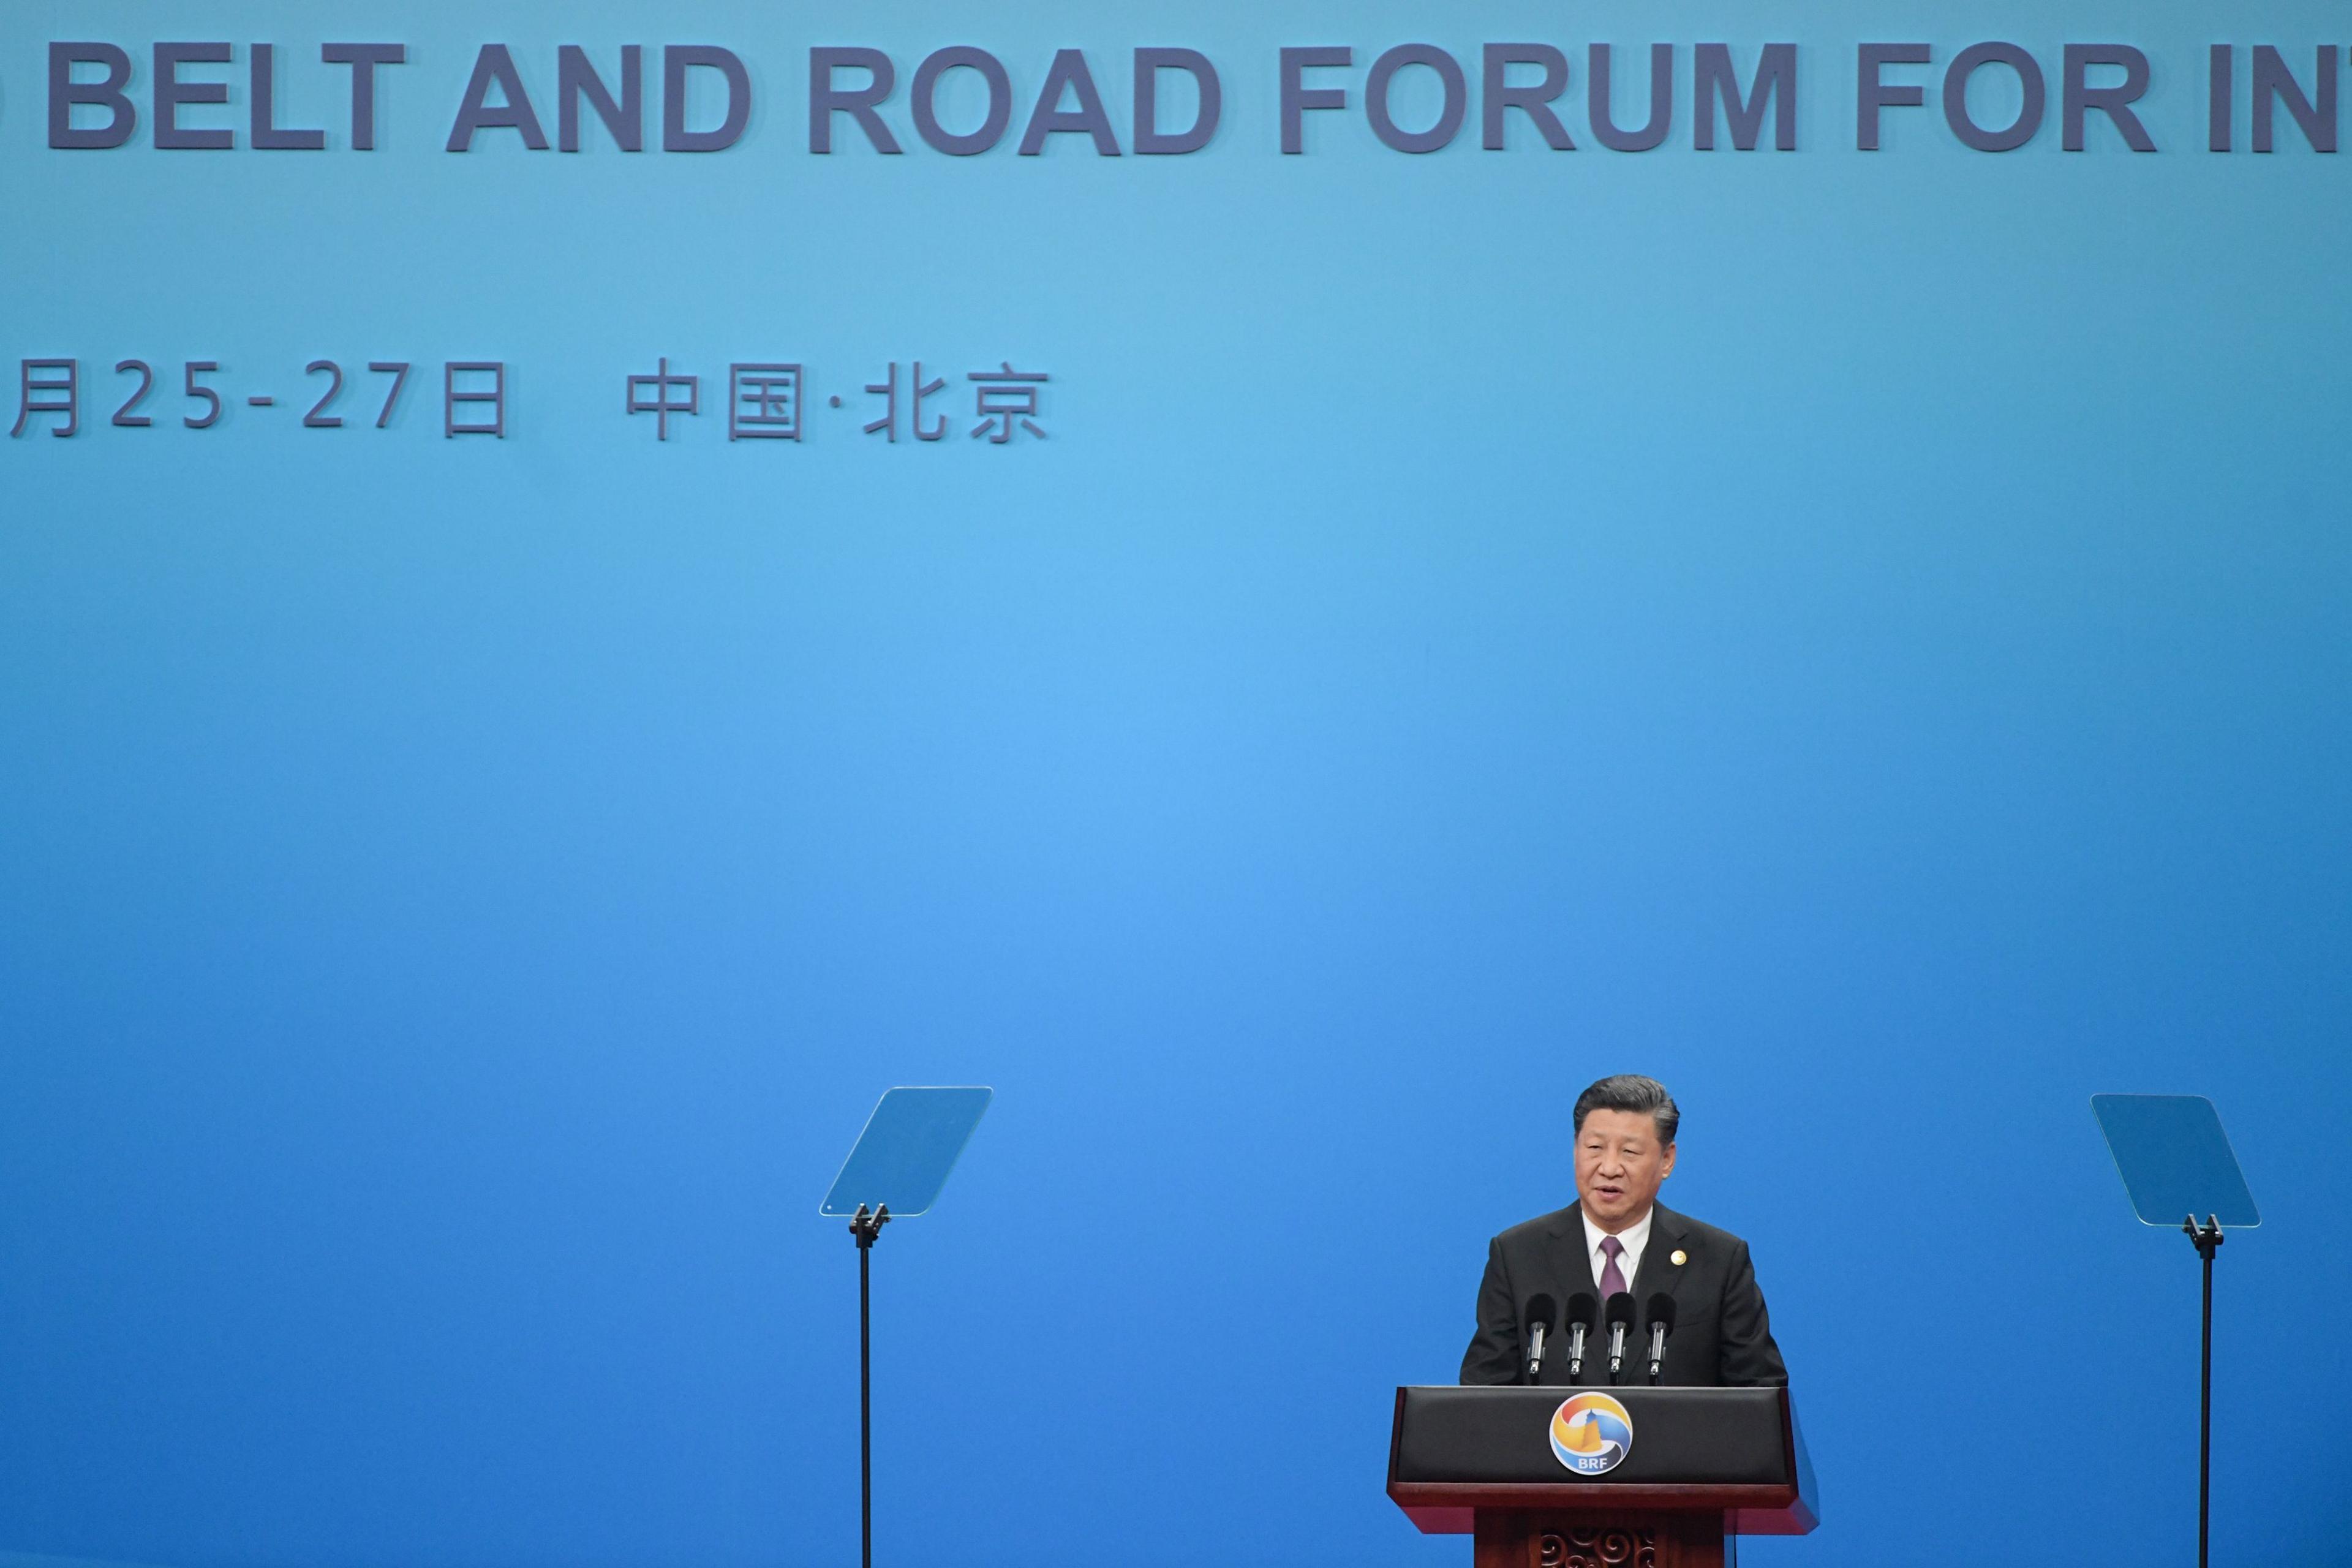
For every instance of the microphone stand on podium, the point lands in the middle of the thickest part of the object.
(893, 1171)
(2174, 1159)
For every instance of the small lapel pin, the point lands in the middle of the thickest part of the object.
(1680, 1258)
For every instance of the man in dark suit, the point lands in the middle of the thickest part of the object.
(1618, 1236)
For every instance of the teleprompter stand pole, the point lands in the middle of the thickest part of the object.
(867, 1227)
(2208, 1238)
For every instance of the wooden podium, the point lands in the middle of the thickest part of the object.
(1694, 1466)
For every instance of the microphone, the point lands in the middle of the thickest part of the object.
(1660, 1312)
(1581, 1308)
(1541, 1313)
(1620, 1312)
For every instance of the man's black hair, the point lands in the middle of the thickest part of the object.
(1632, 1091)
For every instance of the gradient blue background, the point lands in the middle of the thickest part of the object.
(1861, 638)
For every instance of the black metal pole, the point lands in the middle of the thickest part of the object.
(2207, 1238)
(866, 1227)
(865, 1404)
(2205, 1420)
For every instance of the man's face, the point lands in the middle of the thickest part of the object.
(1618, 1165)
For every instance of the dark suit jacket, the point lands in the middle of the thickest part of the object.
(1720, 1337)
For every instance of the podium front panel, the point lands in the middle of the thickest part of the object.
(1461, 1456)
(1681, 1436)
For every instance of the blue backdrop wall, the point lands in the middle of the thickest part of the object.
(1860, 636)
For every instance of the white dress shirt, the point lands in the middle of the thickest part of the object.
(1634, 1238)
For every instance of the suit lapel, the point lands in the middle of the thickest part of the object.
(1669, 1233)
(1572, 1265)
(1567, 1228)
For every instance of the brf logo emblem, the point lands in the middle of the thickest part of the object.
(1591, 1434)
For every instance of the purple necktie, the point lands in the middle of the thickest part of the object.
(1613, 1279)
